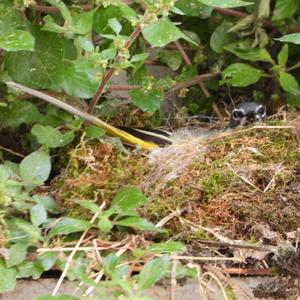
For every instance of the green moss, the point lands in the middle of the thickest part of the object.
(200, 234)
(216, 183)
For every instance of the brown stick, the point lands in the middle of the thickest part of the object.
(240, 14)
(108, 75)
(200, 83)
(241, 271)
(53, 9)
(190, 82)
(123, 87)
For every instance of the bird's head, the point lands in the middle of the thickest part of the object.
(246, 113)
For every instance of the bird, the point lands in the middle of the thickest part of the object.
(149, 139)
(243, 114)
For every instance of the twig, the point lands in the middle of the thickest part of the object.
(108, 75)
(243, 178)
(241, 271)
(11, 151)
(260, 127)
(173, 279)
(191, 82)
(219, 283)
(238, 246)
(124, 87)
(273, 178)
(240, 14)
(70, 257)
(208, 258)
(227, 280)
(182, 53)
(200, 83)
(100, 274)
(53, 9)
(167, 218)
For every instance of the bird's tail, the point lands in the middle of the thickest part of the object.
(125, 136)
(157, 136)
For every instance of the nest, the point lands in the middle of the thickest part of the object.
(232, 179)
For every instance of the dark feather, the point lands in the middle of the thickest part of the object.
(157, 136)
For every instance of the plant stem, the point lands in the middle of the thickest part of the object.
(109, 74)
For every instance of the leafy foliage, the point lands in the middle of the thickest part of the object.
(68, 50)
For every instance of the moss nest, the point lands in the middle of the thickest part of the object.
(234, 180)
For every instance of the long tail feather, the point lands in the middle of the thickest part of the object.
(111, 130)
(157, 136)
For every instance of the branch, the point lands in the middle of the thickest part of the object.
(240, 14)
(191, 82)
(124, 87)
(108, 75)
(200, 83)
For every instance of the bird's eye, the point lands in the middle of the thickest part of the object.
(237, 114)
(261, 111)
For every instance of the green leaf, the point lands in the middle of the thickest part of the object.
(63, 9)
(127, 199)
(89, 205)
(293, 100)
(139, 57)
(8, 278)
(166, 247)
(118, 273)
(30, 269)
(82, 23)
(225, 3)
(47, 260)
(48, 202)
(115, 25)
(79, 24)
(220, 38)
(241, 50)
(60, 297)
(172, 58)
(38, 214)
(23, 232)
(153, 271)
(283, 55)
(104, 224)
(289, 83)
(123, 13)
(9, 17)
(240, 75)
(163, 32)
(17, 40)
(94, 132)
(16, 254)
(51, 137)
(35, 168)
(5, 173)
(263, 9)
(69, 225)
(147, 101)
(40, 68)
(290, 38)
(194, 8)
(19, 112)
(109, 53)
(138, 223)
(242, 24)
(284, 9)
(79, 78)
(85, 43)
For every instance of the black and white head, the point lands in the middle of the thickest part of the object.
(246, 113)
